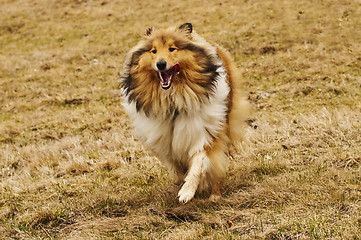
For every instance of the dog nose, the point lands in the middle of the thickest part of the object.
(161, 65)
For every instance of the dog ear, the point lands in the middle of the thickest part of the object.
(187, 27)
(149, 31)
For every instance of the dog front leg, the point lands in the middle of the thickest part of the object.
(193, 177)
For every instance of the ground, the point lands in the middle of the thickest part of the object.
(70, 167)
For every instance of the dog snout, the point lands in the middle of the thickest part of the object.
(161, 65)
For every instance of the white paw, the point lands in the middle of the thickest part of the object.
(187, 192)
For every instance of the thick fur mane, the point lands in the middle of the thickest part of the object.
(183, 95)
(195, 83)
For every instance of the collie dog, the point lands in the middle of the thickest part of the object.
(183, 96)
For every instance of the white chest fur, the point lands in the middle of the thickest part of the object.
(179, 138)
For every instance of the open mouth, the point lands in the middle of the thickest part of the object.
(166, 77)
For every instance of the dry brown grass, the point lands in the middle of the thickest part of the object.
(71, 169)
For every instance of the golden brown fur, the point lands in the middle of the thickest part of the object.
(190, 125)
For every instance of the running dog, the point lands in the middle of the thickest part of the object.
(183, 96)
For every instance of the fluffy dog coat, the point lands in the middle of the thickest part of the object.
(183, 96)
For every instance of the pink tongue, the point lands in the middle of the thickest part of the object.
(166, 77)
(175, 68)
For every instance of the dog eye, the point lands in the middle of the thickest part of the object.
(154, 51)
(171, 49)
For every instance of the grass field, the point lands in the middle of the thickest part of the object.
(70, 167)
